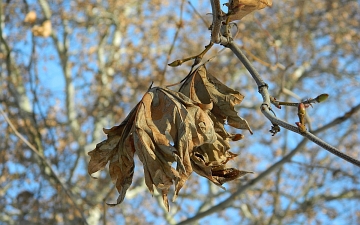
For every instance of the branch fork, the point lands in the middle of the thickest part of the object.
(226, 40)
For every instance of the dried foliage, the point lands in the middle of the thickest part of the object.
(240, 8)
(43, 30)
(193, 119)
(30, 17)
(96, 64)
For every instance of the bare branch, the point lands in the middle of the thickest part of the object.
(267, 111)
(227, 202)
(179, 26)
(47, 164)
(216, 25)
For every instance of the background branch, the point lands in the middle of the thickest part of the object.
(233, 197)
(48, 165)
(267, 111)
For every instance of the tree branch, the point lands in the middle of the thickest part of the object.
(227, 202)
(267, 111)
(216, 25)
(46, 163)
(263, 87)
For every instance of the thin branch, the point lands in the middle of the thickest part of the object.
(267, 111)
(2, 39)
(216, 25)
(255, 75)
(198, 14)
(173, 42)
(47, 164)
(227, 202)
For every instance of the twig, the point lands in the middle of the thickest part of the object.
(256, 76)
(198, 14)
(266, 108)
(227, 202)
(224, 204)
(47, 164)
(173, 42)
(257, 58)
(7, 50)
(216, 36)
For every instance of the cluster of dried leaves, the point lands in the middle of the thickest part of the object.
(43, 29)
(186, 127)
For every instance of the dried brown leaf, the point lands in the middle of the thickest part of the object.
(167, 127)
(119, 150)
(30, 17)
(202, 86)
(44, 30)
(189, 126)
(240, 8)
(144, 131)
(209, 160)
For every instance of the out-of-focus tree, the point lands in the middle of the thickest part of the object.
(70, 68)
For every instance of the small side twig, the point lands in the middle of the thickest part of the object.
(225, 203)
(198, 14)
(173, 41)
(266, 108)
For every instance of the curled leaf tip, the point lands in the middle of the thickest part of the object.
(237, 137)
(111, 204)
(93, 177)
(251, 132)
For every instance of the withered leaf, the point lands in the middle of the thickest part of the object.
(119, 150)
(202, 86)
(240, 8)
(30, 17)
(44, 30)
(209, 160)
(160, 112)
(185, 127)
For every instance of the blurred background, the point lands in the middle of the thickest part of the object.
(68, 69)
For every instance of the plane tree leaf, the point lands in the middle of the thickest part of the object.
(118, 149)
(168, 128)
(237, 9)
(209, 160)
(205, 88)
(161, 112)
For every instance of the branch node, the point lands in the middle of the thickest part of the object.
(275, 102)
(263, 86)
(264, 106)
(274, 129)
